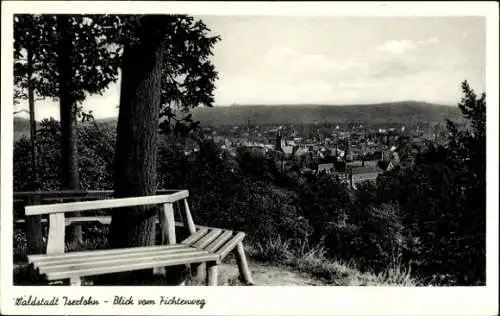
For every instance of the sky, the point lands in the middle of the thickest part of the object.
(334, 60)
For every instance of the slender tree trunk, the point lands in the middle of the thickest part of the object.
(33, 223)
(31, 102)
(137, 134)
(70, 178)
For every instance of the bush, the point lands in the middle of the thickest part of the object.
(95, 149)
(326, 203)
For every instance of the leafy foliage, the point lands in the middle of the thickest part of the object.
(326, 203)
(96, 150)
(93, 59)
(189, 76)
(257, 165)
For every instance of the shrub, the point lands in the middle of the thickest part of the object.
(95, 148)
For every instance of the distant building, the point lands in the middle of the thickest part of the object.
(327, 168)
(389, 160)
(362, 174)
(282, 146)
(301, 151)
(348, 149)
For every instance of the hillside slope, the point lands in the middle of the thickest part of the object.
(409, 112)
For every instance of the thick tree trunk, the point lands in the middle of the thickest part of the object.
(137, 134)
(33, 223)
(70, 177)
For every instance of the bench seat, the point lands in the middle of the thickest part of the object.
(75, 265)
(221, 242)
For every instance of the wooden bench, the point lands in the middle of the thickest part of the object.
(206, 245)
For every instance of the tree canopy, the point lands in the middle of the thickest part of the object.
(93, 60)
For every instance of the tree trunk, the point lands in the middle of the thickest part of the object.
(33, 223)
(137, 134)
(31, 102)
(70, 178)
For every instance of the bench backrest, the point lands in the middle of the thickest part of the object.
(55, 239)
(104, 204)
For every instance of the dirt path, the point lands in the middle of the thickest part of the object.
(268, 275)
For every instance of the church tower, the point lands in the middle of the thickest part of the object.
(279, 141)
(348, 153)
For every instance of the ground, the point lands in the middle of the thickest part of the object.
(266, 274)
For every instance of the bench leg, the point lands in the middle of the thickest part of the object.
(159, 271)
(76, 281)
(212, 274)
(197, 269)
(243, 264)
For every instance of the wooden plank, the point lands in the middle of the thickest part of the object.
(207, 239)
(55, 239)
(216, 244)
(100, 257)
(75, 281)
(147, 263)
(105, 220)
(212, 274)
(188, 219)
(78, 254)
(164, 235)
(197, 227)
(194, 237)
(229, 246)
(168, 227)
(241, 259)
(104, 204)
(117, 260)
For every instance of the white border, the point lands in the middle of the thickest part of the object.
(266, 300)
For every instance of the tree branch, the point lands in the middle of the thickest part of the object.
(17, 112)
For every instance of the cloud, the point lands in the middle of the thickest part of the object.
(402, 46)
(397, 47)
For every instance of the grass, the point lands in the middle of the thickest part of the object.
(313, 261)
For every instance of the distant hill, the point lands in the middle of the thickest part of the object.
(398, 112)
(408, 112)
